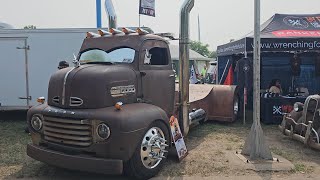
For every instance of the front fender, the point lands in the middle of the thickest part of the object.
(131, 117)
(37, 109)
(128, 125)
(140, 116)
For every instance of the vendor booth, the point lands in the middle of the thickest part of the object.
(290, 52)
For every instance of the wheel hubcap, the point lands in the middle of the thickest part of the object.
(153, 148)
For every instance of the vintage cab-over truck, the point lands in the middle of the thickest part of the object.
(80, 118)
(114, 108)
(110, 113)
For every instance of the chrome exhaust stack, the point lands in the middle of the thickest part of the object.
(111, 13)
(184, 66)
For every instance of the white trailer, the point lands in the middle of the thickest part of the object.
(28, 57)
(27, 60)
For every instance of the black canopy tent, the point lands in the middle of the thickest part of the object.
(281, 36)
(282, 32)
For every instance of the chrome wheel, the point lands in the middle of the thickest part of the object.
(153, 147)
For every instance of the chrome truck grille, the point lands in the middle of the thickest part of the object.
(70, 132)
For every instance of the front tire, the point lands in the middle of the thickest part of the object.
(150, 153)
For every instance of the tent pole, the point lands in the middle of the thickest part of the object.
(244, 89)
(217, 71)
(244, 104)
(255, 145)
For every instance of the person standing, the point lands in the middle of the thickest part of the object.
(203, 74)
(204, 71)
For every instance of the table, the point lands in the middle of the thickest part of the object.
(272, 109)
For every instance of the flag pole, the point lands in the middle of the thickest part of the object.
(139, 13)
(199, 33)
(98, 13)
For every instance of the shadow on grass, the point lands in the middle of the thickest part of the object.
(13, 116)
(38, 170)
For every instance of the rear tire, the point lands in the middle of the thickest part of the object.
(141, 165)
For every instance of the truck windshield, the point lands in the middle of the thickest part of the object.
(120, 55)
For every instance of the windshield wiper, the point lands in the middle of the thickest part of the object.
(99, 62)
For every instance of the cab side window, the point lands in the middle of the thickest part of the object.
(159, 56)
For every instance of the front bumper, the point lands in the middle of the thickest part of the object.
(75, 162)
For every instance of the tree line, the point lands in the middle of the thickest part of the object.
(202, 49)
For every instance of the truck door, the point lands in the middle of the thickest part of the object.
(13, 72)
(158, 80)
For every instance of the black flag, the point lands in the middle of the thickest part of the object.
(147, 7)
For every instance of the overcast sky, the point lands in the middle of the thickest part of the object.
(221, 20)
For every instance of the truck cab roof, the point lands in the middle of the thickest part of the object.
(109, 42)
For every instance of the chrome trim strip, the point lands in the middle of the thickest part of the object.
(64, 86)
(56, 99)
(75, 101)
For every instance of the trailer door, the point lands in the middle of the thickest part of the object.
(13, 73)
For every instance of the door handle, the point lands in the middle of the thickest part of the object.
(26, 98)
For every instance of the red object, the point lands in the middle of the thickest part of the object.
(286, 108)
(229, 78)
(296, 33)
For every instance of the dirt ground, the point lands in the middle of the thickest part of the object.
(207, 145)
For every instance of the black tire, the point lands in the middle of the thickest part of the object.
(135, 168)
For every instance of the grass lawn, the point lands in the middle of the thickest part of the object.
(207, 145)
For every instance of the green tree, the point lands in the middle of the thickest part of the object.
(202, 49)
(213, 54)
(30, 27)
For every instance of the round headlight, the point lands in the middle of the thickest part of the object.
(103, 131)
(36, 123)
(297, 107)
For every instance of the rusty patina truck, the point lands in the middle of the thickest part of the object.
(110, 113)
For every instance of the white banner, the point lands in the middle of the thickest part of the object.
(178, 138)
(147, 7)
